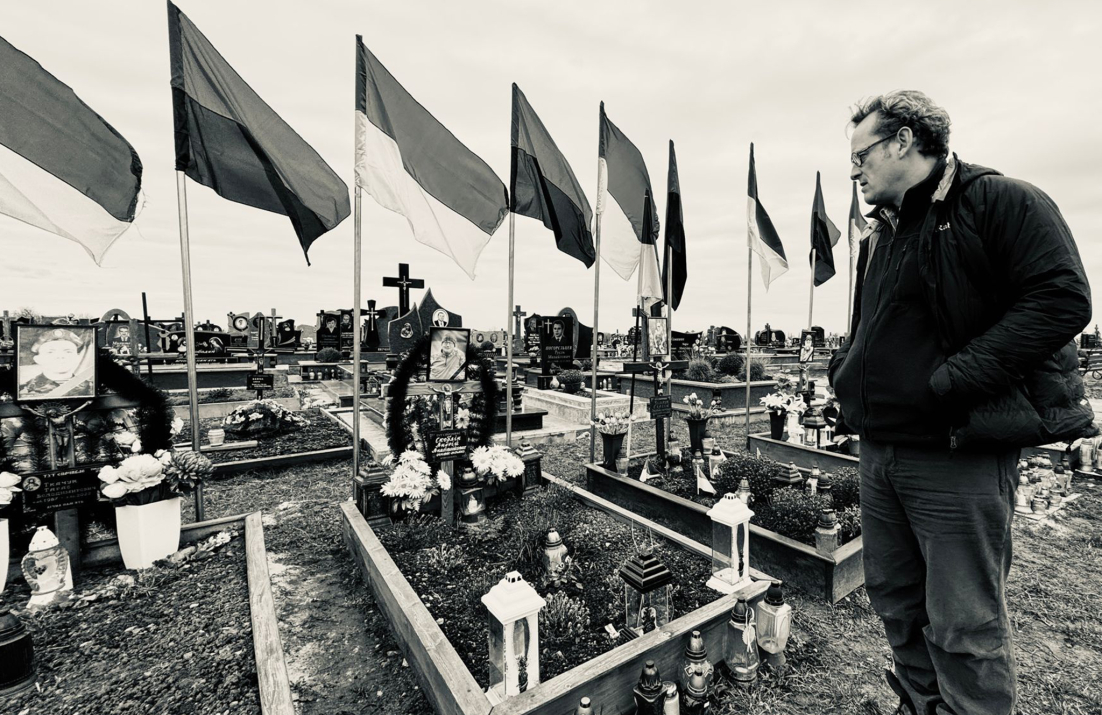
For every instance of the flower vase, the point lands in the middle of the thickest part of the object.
(696, 435)
(612, 443)
(148, 532)
(216, 437)
(776, 424)
(5, 554)
(795, 431)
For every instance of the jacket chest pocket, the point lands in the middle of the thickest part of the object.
(903, 277)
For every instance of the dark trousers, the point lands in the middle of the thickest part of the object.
(937, 551)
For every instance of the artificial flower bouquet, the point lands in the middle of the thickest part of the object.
(496, 464)
(613, 422)
(147, 478)
(698, 409)
(261, 417)
(412, 482)
(9, 484)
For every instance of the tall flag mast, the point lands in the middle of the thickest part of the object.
(857, 226)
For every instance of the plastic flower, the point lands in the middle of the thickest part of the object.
(496, 464)
(177, 425)
(125, 439)
(444, 480)
(9, 484)
(136, 447)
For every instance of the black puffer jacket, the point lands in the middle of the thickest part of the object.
(1002, 276)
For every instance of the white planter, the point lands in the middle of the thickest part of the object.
(216, 437)
(5, 554)
(148, 532)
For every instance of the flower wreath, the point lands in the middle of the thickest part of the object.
(483, 408)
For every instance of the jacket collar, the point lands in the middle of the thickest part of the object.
(879, 214)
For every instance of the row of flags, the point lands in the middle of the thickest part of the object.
(66, 170)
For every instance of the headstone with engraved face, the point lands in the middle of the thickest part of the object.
(405, 331)
(329, 330)
(432, 314)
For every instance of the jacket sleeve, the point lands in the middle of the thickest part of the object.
(1035, 257)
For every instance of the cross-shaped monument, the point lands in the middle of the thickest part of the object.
(518, 318)
(403, 283)
(660, 406)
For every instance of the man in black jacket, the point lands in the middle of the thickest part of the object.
(969, 294)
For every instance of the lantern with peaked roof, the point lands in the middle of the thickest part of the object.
(647, 586)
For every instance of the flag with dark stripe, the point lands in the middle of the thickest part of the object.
(411, 164)
(62, 167)
(675, 236)
(229, 139)
(824, 236)
(760, 233)
(543, 186)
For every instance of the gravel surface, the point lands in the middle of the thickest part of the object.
(171, 639)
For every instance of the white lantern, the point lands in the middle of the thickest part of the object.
(774, 625)
(730, 544)
(46, 568)
(514, 608)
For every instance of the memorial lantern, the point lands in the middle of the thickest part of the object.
(827, 533)
(533, 468)
(1086, 456)
(790, 476)
(374, 389)
(730, 544)
(744, 491)
(811, 486)
(19, 670)
(1061, 480)
(514, 608)
(813, 423)
(472, 498)
(647, 586)
(585, 707)
(826, 483)
(695, 699)
(554, 554)
(715, 459)
(742, 647)
(696, 661)
(774, 625)
(649, 691)
(46, 568)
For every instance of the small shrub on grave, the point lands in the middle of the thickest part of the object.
(584, 365)
(563, 619)
(261, 418)
(850, 521)
(218, 394)
(846, 488)
(487, 346)
(757, 372)
(730, 364)
(329, 355)
(571, 380)
(444, 557)
(760, 472)
(792, 513)
(700, 371)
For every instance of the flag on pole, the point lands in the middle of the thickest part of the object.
(702, 483)
(411, 164)
(824, 236)
(543, 186)
(675, 235)
(630, 234)
(763, 238)
(62, 168)
(229, 139)
(857, 225)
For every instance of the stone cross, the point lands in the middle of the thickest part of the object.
(403, 283)
(372, 316)
(518, 317)
(547, 322)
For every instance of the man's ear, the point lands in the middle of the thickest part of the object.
(906, 138)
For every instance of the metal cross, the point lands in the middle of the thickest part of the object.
(371, 314)
(403, 283)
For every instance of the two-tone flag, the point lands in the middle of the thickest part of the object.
(411, 164)
(824, 236)
(229, 139)
(62, 167)
(630, 236)
(760, 234)
(543, 186)
(857, 224)
(675, 236)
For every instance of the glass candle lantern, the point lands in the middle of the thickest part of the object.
(46, 568)
(774, 625)
(1086, 456)
(827, 533)
(514, 608)
(730, 544)
(647, 585)
(554, 554)
(744, 491)
(472, 498)
(649, 692)
(811, 486)
(696, 661)
(813, 422)
(742, 644)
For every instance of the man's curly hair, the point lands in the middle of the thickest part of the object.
(908, 108)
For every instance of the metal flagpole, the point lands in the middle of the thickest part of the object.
(811, 291)
(749, 340)
(593, 353)
(849, 307)
(189, 334)
(356, 353)
(509, 338)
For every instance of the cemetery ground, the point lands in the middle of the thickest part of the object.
(342, 657)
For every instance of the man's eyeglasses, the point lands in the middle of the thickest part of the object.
(858, 157)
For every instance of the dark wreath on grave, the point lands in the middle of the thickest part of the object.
(24, 442)
(401, 417)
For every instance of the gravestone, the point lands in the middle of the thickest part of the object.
(347, 330)
(371, 340)
(329, 330)
(386, 315)
(819, 339)
(405, 331)
(683, 343)
(238, 330)
(432, 314)
(287, 336)
(532, 336)
(518, 335)
(209, 327)
(556, 343)
(497, 338)
(726, 340)
(403, 283)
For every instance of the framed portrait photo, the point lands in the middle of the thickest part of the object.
(807, 346)
(448, 354)
(55, 362)
(657, 345)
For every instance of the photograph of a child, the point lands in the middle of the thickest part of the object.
(448, 353)
(56, 363)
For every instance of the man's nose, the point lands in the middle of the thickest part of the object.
(854, 172)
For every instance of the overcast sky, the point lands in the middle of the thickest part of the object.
(1019, 79)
